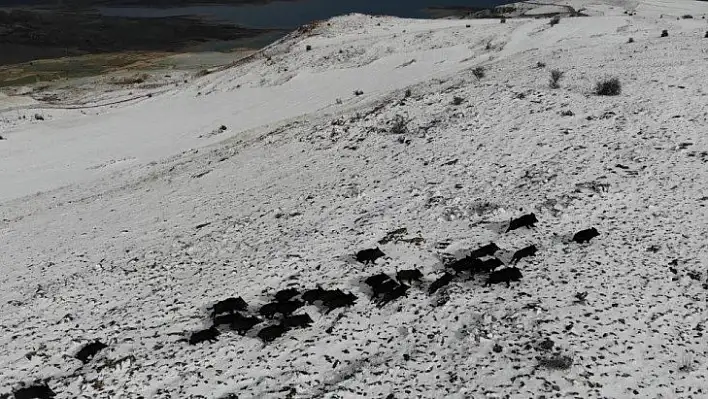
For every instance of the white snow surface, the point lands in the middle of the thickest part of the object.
(124, 222)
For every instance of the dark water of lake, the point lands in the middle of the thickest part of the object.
(291, 14)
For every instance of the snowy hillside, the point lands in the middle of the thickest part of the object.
(124, 223)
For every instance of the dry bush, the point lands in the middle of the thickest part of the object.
(608, 87)
(556, 76)
(479, 72)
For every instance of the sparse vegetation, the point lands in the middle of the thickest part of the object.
(556, 76)
(399, 125)
(479, 72)
(540, 64)
(608, 87)
(555, 20)
(203, 72)
(686, 365)
(408, 93)
(130, 80)
(457, 100)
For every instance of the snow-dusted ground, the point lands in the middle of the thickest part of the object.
(103, 216)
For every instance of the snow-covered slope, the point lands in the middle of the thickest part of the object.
(124, 223)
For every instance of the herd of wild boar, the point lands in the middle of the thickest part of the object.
(280, 315)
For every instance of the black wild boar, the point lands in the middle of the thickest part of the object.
(468, 264)
(269, 310)
(523, 221)
(210, 334)
(377, 279)
(491, 264)
(367, 256)
(394, 294)
(288, 307)
(338, 300)
(229, 305)
(298, 320)
(381, 284)
(523, 253)
(286, 294)
(485, 250)
(313, 295)
(271, 333)
(409, 275)
(90, 350)
(328, 295)
(242, 324)
(585, 235)
(36, 391)
(385, 288)
(441, 282)
(285, 308)
(226, 319)
(505, 275)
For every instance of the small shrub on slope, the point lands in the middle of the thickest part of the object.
(399, 125)
(478, 72)
(555, 20)
(608, 87)
(556, 76)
